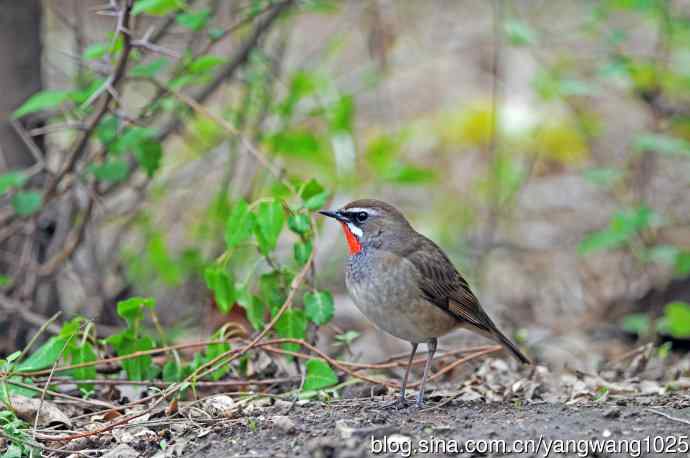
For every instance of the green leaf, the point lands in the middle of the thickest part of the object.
(45, 356)
(204, 64)
(313, 194)
(141, 367)
(408, 174)
(239, 225)
(341, 114)
(222, 284)
(347, 337)
(682, 263)
(254, 307)
(319, 375)
(292, 324)
(677, 316)
(601, 240)
(664, 144)
(319, 306)
(42, 101)
(623, 225)
(195, 20)
(26, 202)
(96, 51)
(636, 323)
(106, 131)
(150, 69)
(13, 451)
(270, 218)
(4, 280)
(301, 252)
(84, 354)
(149, 153)
(132, 309)
(299, 223)
(111, 171)
(156, 7)
(11, 180)
(273, 286)
(297, 143)
(172, 372)
(317, 201)
(519, 33)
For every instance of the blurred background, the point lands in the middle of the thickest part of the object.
(545, 145)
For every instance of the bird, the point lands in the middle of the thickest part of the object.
(405, 284)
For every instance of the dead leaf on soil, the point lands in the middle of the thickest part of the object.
(50, 415)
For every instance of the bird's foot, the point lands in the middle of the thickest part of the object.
(398, 404)
(419, 402)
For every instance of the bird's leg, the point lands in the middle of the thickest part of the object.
(401, 402)
(431, 349)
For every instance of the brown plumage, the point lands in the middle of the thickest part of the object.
(405, 284)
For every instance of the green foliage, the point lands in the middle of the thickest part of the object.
(222, 284)
(677, 319)
(150, 69)
(661, 143)
(624, 225)
(15, 430)
(45, 356)
(111, 171)
(292, 324)
(319, 307)
(156, 7)
(26, 203)
(270, 218)
(319, 375)
(44, 100)
(239, 225)
(131, 339)
(194, 20)
(11, 180)
(519, 33)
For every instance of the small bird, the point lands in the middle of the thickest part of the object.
(406, 285)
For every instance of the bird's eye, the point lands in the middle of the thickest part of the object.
(361, 216)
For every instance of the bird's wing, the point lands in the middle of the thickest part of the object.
(443, 286)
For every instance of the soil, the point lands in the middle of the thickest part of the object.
(350, 428)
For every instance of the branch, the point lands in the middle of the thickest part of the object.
(123, 28)
(230, 68)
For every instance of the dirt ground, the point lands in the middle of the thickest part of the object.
(361, 427)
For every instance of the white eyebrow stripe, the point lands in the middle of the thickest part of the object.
(362, 209)
(355, 230)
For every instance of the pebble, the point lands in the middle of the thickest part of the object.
(613, 412)
(284, 423)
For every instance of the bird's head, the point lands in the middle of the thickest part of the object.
(368, 222)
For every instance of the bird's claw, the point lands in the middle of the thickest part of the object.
(398, 404)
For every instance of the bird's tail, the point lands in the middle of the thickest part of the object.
(498, 335)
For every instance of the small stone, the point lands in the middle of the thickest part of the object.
(282, 404)
(612, 413)
(284, 423)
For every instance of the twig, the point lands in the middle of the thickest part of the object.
(115, 359)
(670, 417)
(204, 384)
(47, 324)
(12, 306)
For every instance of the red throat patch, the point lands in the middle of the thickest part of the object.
(353, 244)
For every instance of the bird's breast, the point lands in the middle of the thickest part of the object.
(384, 287)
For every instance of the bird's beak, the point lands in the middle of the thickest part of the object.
(335, 215)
